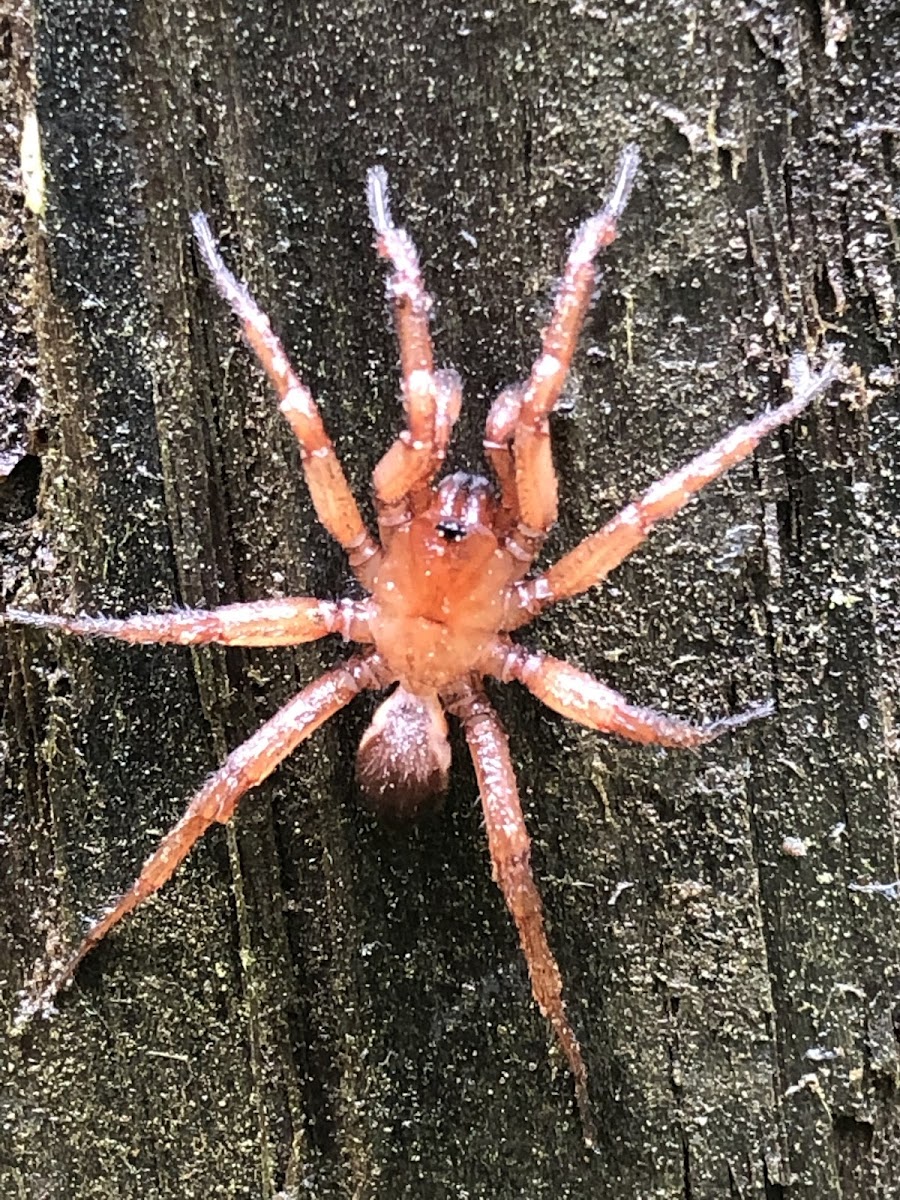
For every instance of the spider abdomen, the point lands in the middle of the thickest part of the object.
(403, 761)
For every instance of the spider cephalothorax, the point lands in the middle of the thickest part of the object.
(447, 581)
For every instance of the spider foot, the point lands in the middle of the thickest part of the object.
(81, 625)
(600, 229)
(808, 382)
(21, 616)
(756, 712)
(629, 161)
(37, 999)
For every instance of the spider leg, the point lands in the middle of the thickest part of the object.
(334, 503)
(431, 399)
(592, 560)
(258, 623)
(535, 478)
(244, 768)
(580, 697)
(510, 850)
(499, 432)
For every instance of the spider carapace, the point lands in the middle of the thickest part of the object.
(447, 581)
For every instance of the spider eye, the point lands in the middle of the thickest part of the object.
(453, 531)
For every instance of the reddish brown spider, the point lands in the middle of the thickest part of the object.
(446, 582)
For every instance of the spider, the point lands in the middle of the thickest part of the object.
(447, 582)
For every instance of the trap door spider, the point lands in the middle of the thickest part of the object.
(448, 581)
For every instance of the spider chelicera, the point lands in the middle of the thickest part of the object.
(447, 582)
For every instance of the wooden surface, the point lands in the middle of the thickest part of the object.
(319, 1006)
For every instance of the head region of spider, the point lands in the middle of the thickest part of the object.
(448, 579)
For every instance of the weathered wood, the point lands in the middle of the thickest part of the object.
(317, 1005)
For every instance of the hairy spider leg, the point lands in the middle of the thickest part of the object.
(576, 695)
(216, 801)
(510, 850)
(431, 399)
(536, 485)
(258, 623)
(592, 560)
(332, 499)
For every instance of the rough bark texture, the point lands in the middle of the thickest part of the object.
(318, 1006)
